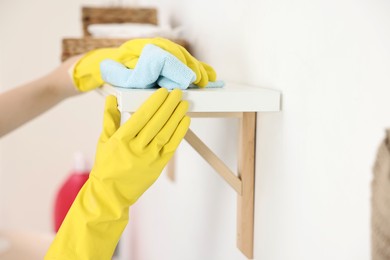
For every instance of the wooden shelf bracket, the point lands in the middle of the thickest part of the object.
(242, 182)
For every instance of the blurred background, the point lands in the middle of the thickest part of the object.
(330, 59)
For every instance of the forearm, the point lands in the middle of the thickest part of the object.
(23, 103)
(93, 225)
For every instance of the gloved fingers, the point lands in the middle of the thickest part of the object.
(193, 64)
(210, 71)
(177, 136)
(187, 56)
(201, 73)
(159, 119)
(169, 128)
(111, 118)
(171, 67)
(204, 79)
(142, 116)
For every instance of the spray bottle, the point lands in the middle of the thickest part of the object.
(70, 188)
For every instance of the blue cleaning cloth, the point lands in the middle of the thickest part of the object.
(154, 66)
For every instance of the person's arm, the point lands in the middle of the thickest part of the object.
(23, 103)
(129, 159)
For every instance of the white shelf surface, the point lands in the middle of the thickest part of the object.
(232, 97)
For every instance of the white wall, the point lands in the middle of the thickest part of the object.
(329, 58)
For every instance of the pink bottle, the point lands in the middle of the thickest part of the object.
(70, 188)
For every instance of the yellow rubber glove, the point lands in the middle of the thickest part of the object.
(129, 158)
(86, 72)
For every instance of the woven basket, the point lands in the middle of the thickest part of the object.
(93, 15)
(102, 15)
(380, 203)
(75, 46)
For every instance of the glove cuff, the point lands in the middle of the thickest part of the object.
(92, 227)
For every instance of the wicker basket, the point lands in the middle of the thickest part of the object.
(93, 15)
(74, 46)
(101, 15)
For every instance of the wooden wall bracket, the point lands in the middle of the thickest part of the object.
(242, 182)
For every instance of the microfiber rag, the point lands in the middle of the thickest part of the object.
(154, 66)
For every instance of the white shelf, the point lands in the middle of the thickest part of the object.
(231, 98)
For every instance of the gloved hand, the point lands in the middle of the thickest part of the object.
(155, 66)
(129, 158)
(86, 72)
